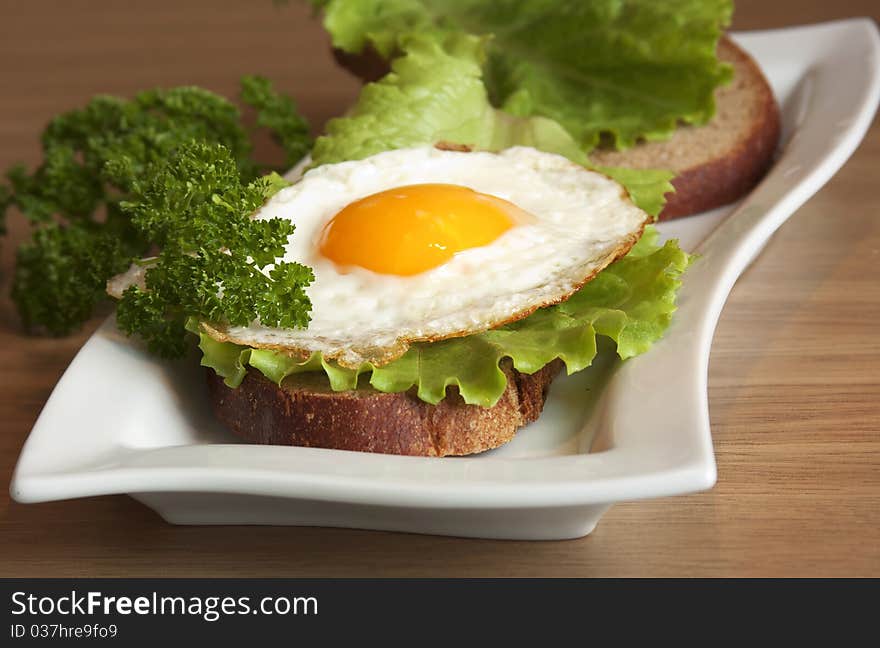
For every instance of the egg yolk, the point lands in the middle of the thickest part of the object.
(411, 229)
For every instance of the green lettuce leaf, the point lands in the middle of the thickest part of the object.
(646, 187)
(630, 302)
(625, 69)
(435, 92)
(226, 359)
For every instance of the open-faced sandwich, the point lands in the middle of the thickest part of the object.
(450, 288)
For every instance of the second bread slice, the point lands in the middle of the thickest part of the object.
(723, 160)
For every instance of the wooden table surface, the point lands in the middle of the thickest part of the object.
(794, 381)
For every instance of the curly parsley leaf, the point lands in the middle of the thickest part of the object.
(214, 255)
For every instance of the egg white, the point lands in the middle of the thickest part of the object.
(582, 221)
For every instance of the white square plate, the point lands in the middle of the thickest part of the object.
(121, 422)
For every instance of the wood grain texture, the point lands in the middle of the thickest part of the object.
(794, 379)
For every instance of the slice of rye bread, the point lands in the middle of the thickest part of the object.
(715, 164)
(304, 411)
(719, 162)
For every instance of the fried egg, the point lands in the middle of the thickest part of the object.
(424, 244)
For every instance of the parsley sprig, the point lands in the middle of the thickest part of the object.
(213, 255)
(81, 235)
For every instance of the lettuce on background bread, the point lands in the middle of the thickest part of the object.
(721, 161)
(435, 93)
(603, 68)
(636, 84)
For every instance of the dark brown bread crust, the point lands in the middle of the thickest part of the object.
(305, 412)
